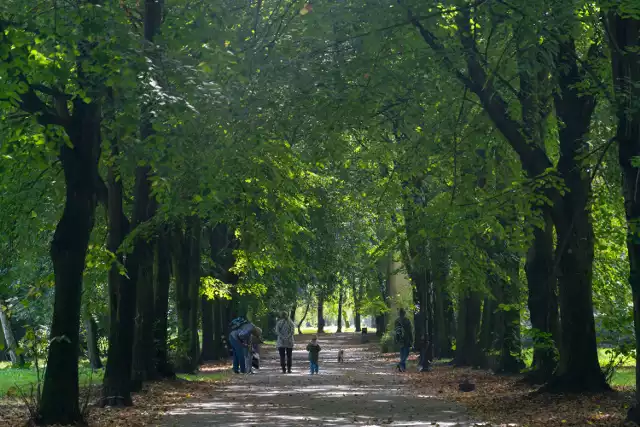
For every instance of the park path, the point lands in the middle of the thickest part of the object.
(363, 391)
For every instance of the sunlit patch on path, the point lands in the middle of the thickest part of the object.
(363, 391)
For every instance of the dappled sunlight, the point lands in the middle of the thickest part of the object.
(364, 393)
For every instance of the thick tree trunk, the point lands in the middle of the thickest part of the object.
(356, 307)
(442, 306)
(187, 260)
(218, 334)
(116, 385)
(59, 404)
(208, 344)
(144, 367)
(444, 322)
(487, 339)
(181, 272)
(579, 368)
(161, 305)
(91, 328)
(17, 359)
(543, 302)
(468, 323)
(340, 298)
(625, 33)
(320, 314)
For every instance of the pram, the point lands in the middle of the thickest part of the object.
(255, 355)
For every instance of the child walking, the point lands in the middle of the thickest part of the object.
(314, 349)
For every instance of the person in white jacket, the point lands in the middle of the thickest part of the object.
(284, 331)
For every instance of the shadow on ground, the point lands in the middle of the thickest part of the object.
(363, 391)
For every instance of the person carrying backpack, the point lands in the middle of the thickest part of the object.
(403, 336)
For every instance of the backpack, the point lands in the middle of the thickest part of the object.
(237, 322)
(399, 332)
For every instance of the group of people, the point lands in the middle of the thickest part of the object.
(245, 339)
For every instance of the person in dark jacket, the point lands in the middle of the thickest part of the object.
(403, 337)
(314, 352)
(240, 338)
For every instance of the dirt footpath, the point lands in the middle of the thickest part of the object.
(362, 391)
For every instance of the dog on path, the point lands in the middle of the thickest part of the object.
(340, 356)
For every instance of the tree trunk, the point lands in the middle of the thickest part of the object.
(340, 298)
(292, 315)
(195, 248)
(208, 345)
(320, 314)
(144, 367)
(356, 307)
(302, 319)
(187, 268)
(181, 268)
(510, 361)
(542, 302)
(445, 319)
(161, 305)
(116, 385)
(222, 242)
(468, 323)
(579, 368)
(427, 341)
(144, 352)
(218, 334)
(91, 328)
(625, 33)
(60, 393)
(17, 359)
(486, 341)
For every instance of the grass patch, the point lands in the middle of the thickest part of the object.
(205, 376)
(624, 377)
(603, 356)
(14, 379)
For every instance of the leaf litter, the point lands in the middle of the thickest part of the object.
(504, 400)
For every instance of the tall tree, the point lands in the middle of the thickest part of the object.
(623, 30)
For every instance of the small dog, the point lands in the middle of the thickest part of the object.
(340, 356)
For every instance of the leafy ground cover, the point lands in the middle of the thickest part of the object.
(153, 402)
(505, 400)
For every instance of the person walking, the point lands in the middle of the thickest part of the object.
(314, 350)
(284, 331)
(403, 336)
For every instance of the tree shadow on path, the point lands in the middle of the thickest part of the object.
(363, 391)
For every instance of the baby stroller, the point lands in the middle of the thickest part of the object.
(255, 355)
